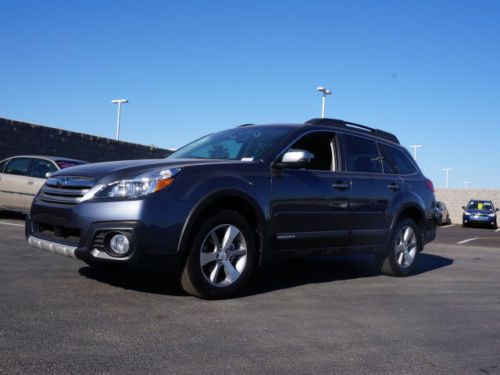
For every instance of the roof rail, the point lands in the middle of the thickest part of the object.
(243, 125)
(351, 125)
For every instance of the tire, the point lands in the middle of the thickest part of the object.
(448, 220)
(218, 270)
(402, 256)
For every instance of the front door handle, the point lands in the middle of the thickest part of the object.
(339, 185)
(393, 186)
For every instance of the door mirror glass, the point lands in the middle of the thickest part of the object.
(295, 158)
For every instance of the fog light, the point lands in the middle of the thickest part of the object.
(119, 244)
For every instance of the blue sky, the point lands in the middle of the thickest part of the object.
(428, 71)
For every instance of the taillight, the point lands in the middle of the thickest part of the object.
(429, 185)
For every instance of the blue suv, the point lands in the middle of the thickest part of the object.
(480, 212)
(224, 204)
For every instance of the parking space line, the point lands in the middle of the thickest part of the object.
(13, 224)
(467, 240)
(448, 226)
(498, 230)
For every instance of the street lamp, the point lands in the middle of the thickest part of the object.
(119, 102)
(415, 147)
(323, 99)
(466, 184)
(447, 171)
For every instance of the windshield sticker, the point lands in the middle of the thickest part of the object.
(246, 159)
(479, 206)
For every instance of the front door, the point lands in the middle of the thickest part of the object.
(13, 184)
(310, 206)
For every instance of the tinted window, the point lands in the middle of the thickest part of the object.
(396, 161)
(42, 167)
(68, 163)
(18, 166)
(361, 155)
(2, 165)
(320, 145)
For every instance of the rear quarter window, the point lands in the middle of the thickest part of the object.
(396, 161)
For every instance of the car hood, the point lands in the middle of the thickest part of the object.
(116, 170)
(482, 212)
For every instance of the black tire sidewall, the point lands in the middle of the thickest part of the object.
(397, 269)
(204, 288)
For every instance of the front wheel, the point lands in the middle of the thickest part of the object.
(401, 258)
(222, 257)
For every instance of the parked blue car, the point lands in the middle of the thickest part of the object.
(480, 212)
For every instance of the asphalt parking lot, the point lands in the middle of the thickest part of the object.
(320, 315)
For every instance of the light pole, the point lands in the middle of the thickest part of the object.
(323, 99)
(447, 171)
(119, 102)
(466, 184)
(415, 147)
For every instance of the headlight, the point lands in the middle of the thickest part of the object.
(466, 213)
(492, 214)
(141, 185)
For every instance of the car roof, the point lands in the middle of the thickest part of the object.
(345, 126)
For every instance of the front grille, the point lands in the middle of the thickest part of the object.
(67, 191)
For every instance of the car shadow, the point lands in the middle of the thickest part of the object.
(288, 273)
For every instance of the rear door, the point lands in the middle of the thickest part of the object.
(15, 178)
(309, 206)
(373, 192)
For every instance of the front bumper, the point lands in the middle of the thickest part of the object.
(479, 219)
(153, 224)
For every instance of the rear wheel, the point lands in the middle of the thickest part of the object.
(401, 258)
(222, 257)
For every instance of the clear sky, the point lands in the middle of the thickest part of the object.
(428, 71)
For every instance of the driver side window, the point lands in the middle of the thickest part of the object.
(321, 145)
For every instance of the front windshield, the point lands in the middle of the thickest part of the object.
(246, 144)
(480, 205)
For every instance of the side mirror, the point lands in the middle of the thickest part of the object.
(295, 158)
(463, 207)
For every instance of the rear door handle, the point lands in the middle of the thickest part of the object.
(393, 186)
(339, 185)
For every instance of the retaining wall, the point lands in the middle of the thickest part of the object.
(21, 138)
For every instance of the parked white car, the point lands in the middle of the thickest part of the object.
(22, 176)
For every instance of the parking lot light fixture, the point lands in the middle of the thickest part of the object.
(325, 92)
(119, 102)
(447, 171)
(466, 184)
(415, 147)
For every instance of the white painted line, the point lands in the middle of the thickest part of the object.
(448, 226)
(498, 230)
(468, 240)
(13, 224)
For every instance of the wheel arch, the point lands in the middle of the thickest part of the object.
(416, 213)
(231, 199)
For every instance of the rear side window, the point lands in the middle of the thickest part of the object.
(42, 167)
(18, 166)
(396, 161)
(361, 155)
(68, 163)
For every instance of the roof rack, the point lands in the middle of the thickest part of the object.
(243, 125)
(351, 125)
